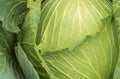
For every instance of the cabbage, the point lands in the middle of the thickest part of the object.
(59, 39)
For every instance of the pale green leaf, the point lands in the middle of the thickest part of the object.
(94, 58)
(64, 23)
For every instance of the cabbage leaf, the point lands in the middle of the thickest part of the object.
(9, 67)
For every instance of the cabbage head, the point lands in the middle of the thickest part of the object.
(59, 39)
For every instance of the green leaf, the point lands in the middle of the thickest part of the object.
(6, 44)
(30, 25)
(94, 58)
(9, 68)
(11, 14)
(28, 38)
(64, 23)
(33, 56)
(25, 64)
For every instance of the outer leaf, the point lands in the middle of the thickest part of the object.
(94, 58)
(9, 68)
(5, 43)
(27, 67)
(65, 22)
(33, 56)
(11, 12)
(28, 35)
